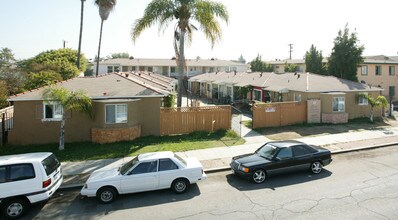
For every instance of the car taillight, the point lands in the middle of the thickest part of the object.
(46, 183)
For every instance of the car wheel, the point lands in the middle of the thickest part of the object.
(316, 167)
(180, 186)
(106, 195)
(259, 176)
(15, 208)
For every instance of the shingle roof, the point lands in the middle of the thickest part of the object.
(107, 86)
(307, 82)
(169, 62)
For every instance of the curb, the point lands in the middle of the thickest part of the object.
(221, 169)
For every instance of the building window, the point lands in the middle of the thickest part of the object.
(391, 70)
(125, 68)
(142, 68)
(110, 69)
(172, 69)
(257, 95)
(150, 69)
(391, 91)
(338, 104)
(363, 100)
(297, 97)
(53, 110)
(116, 113)
(208, 87)
(133, 68)
(116, 69)
(364, 70)
(211, 69)
(378, 70)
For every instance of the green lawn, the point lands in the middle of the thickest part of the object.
(91, 151)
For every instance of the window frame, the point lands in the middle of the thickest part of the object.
(391, 70)
(297, 97)
(338, 105)
(116, 121)
(254, 94)
(167, 159)
(8, 172)
(131, 172)
(283, 149)
(363, 100)
(364, 70)
(378, 67)
(54, 104)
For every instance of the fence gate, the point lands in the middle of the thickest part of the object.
(236, 121)
(6, 123)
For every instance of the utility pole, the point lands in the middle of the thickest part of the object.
(290, 51)
(64, 42)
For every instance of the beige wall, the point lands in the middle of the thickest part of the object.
(385, 80)
(30, 129)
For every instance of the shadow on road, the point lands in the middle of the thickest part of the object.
(277, 181)
(69, 205)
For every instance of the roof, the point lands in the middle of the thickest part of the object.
(23, 158)
(169, 62)
(109, 86)
(152, 79)
(380, 59)
(307, 82)
(155, 155)
(286, 143)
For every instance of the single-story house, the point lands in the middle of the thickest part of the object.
(340, 98)
(123, 109)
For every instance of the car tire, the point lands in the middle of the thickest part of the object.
(180, 186)
(15, 208)
(316, 167)
(106, 195)
(259, 176)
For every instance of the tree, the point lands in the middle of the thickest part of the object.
(6, 57)
(62, 61)
(12, 76)
(3, 94)
(105, 7)
(380, 101)
(42, 78)
(118, 55)
(346, 55)
(69, 100)
(81, 33)
(290, 67)
(241, 59)
(313, 61)
(204, 12)
(257, 65)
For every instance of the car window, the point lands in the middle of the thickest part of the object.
(21, 172)
(145, 167)
(2, 174)
(300, 150)
(285, 153)
(50, 164)
(167, 164)
(267, 151)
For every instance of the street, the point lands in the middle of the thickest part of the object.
(357, 185)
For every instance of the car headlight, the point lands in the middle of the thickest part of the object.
(244, 169)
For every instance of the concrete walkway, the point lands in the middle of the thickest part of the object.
(213, 159)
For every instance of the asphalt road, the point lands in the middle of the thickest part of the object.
(358, 185)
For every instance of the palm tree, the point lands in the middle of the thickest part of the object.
(105, 7)
(380, 101)
(69, 100)
(81, 32)
(204, 12)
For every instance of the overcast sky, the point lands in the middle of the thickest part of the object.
(29, 27)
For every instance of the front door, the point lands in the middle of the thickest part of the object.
(143, 177)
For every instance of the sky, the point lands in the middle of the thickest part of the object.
(262, 27)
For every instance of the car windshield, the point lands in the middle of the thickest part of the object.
(127, 166)
(268, 151)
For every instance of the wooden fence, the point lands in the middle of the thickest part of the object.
(279, 114)
(185, 120)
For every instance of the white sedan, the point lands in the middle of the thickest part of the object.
(149, 171)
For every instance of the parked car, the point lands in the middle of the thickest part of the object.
(149, 171)
(26, 179)
(279, 157)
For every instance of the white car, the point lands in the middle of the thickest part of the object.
(26, 179)
(149, 171)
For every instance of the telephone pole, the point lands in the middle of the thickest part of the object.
(64, 42)
(290, 51)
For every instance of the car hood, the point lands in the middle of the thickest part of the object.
(251, 159)
(101, 175)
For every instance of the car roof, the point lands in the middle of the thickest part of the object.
(24, 158)
(286, 143)
(155, 155)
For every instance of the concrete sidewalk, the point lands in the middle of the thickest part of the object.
(214, 159)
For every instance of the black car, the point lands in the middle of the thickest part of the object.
(279, 157)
